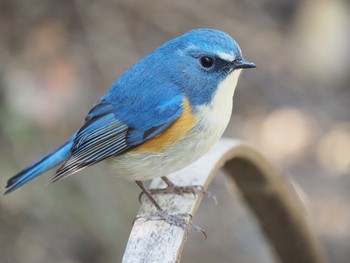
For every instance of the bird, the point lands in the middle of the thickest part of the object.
(161, 115)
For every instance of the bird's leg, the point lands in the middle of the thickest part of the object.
(177, 220)
(172, 188)
(149, 195)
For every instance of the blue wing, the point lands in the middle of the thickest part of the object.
(108, 132)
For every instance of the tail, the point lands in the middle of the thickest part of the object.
(39, 167)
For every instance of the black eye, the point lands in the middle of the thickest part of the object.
(206, 62)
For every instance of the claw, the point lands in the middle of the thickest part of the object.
(191, 189)
(172, 188)
(162, 214)
(198, 189)
(140, 195)
(176, 220)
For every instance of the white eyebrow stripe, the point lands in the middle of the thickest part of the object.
(225, 56)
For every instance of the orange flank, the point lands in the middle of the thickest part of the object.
(170, 136)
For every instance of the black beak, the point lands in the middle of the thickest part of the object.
(242, 64)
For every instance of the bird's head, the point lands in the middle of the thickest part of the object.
(200, 60)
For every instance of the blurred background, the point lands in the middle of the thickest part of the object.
(58, 57)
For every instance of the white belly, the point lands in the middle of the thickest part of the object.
(212, 121)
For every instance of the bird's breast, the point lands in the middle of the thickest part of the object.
(216, 115)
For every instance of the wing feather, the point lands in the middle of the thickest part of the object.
(101, 137)
(105, 135)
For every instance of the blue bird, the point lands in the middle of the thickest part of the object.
(161, 115)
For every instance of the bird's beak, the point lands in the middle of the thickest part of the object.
(242, 64)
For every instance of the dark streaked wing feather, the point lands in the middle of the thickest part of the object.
(104, 135)
(101, 137)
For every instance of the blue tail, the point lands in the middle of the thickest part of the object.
(39, 167)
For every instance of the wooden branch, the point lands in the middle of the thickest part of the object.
(264, 190)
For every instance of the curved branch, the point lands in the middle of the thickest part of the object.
(262, 187)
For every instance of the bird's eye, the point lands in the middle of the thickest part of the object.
(206, 61)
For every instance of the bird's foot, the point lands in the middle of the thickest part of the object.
(175, 189)
(189, 189)
(179, 220)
